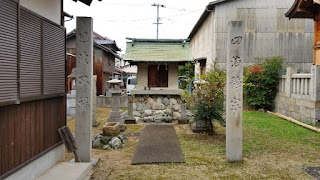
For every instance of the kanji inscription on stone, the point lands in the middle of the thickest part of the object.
(234, 100)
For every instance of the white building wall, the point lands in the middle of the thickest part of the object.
(50, 9)
(267, 32)
(201, 43)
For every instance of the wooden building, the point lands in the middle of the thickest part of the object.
(32, 86)
(309, 9)
(105, 53)
(267, 33)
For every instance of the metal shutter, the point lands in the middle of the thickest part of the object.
(30, 55)
(54, 59)
(8, 51)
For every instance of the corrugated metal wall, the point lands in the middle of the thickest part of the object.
(9, 49)
(54, 67)
(268, 32)
(32, 56)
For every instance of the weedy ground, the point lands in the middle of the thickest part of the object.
(273, 148)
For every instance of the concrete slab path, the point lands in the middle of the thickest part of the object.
(158, 143)
(68, 171)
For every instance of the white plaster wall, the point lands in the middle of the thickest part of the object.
(142, 76)
(173, 76)
(50, 9)
(201, 43)
(40, 165)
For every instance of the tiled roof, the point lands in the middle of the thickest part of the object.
(97, 38)
(162, 50)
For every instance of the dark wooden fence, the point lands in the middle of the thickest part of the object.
(28, 130)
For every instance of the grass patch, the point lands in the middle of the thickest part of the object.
(265, 132)
(134, 127)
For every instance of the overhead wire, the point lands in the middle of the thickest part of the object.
(146, 19)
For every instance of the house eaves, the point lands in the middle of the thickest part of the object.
(106, 49)
(87, 2)
(99, 39)
(303, 9)
(204, 15)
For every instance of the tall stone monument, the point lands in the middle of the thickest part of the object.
(234, 100)
(95, 123)
(115, 114)
(84, 81)
(130, 119)
(184, 118)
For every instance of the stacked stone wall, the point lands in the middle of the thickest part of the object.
(156, 108)
(306, 111)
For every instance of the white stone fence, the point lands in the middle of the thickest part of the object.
(300, 86)
(298, 95)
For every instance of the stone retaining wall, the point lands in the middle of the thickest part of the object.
(299, 95)
(156, 108)
(303, 110)
(106, 101)
(101, 102)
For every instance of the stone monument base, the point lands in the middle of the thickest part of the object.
(130, 121)
(115, 116)
(183, 121)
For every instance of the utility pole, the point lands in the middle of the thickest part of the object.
(158, 18)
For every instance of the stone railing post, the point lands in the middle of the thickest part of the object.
(288, 87)
(315, 83)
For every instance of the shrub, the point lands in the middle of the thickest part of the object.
(208, 102)
(261, 83)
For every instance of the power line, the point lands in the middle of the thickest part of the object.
(158, 18)
(147, 19)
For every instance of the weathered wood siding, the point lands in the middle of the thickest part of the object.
(32, 86)
(103, 65)
(268, 32)
(28, 129)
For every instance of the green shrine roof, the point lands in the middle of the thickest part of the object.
(158, 50)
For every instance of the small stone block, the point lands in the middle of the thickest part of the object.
(111, 129)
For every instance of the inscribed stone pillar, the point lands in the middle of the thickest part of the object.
(84, 83)
(95, 123)
(234, 100)
(184, 118)
(115, 114)
(130, 119)
(315, 83)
